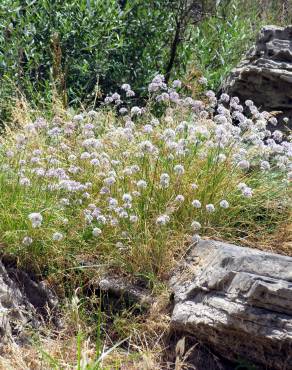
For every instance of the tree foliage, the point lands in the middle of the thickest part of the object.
(79, 43)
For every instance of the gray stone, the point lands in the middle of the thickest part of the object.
(265, 73)
(120, 288)
(24, 304)
(238, 301)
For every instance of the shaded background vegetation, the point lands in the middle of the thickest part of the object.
(83, 49)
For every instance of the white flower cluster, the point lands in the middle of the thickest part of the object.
(141, 171)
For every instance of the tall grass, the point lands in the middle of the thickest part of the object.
(130, 192)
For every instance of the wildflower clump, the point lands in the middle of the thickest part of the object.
(131, 189)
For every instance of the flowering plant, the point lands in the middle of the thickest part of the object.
(132, 190)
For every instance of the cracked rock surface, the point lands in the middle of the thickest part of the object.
(24, 304)
(238, 301)
(265, 73)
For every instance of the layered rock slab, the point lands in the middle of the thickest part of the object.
(238, 301)
(265, 73)
(24, 304)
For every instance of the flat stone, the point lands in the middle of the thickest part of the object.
(238, 301)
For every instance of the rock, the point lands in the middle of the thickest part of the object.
(122, 289)
(23, 304)
(238, 301)
(265, 74)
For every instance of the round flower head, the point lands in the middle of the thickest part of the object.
(265, 166)
(136, 111)
(85, 155)
(244, 164)
(65, 202)
(176, 84)
(27, 241)
(210, 208)
(96, 231)
(57, 236)
(24, 181)
(131, 93)
(179, 169)
(10, 154)
(202, 81)
(147, 147)
(224, 204)
(195, 225)
(120, 245)
(72, 158)
(123, 110)
(179, 198)
(127, 198)
(141, 184)
(133, 219)
(95, 162)
(109, 181)
(164, 180)
(196, 203)
(162, 220)
(36, 219)
(241, 186)
(126, 87)
(247, 192)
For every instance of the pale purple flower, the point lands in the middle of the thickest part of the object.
(195, 225)
(179, 169)
(179, 198)
(162, 220)
(247, 192)
(27, 241)
(133, 218)
(135, 111)
(224, 204)
(164, 180)
(126, 87)
(176, 84)
(24, 181)
(196, 203)
(203, 81)
(127, 198)
(96, 231)
(210, 208)
(265, 166)
(243, 164)
(141, 184)
(57, 236)
(36, 219)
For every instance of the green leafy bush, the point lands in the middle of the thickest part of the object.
(79, 44)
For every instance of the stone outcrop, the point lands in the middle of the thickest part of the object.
(238, 301)
(24, 304)
(122, 289)
(265, 73)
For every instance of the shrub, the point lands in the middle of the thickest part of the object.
(77, 47)
(130, 192)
